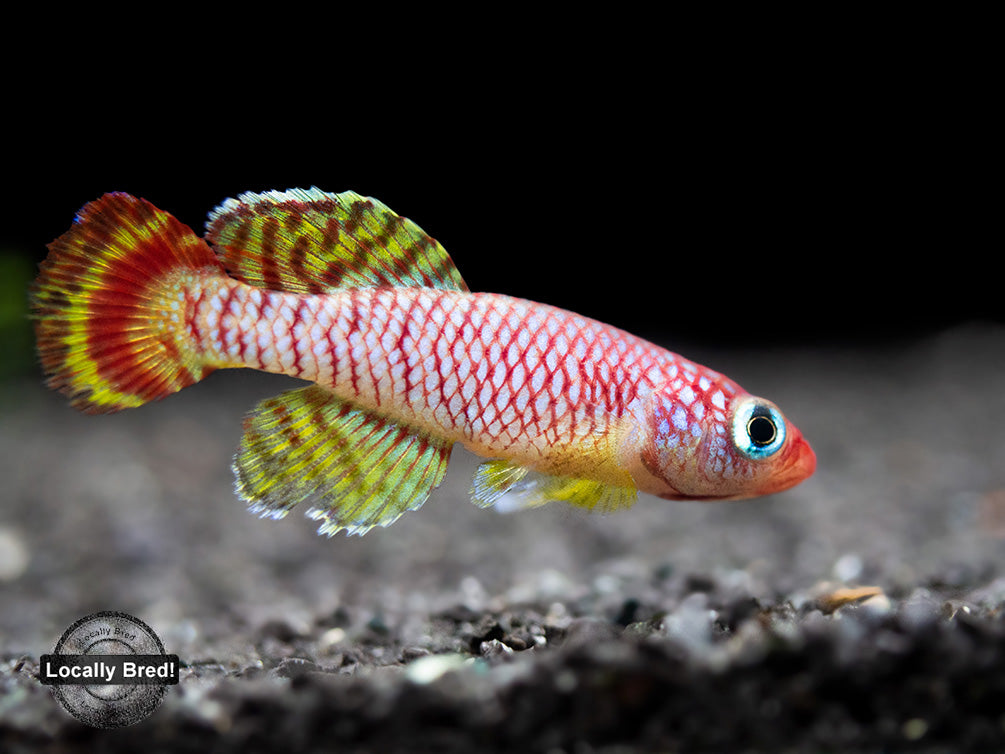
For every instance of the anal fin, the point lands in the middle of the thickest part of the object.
(509, 487)
(360, 469)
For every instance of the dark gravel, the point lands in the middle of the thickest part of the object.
(672, 627)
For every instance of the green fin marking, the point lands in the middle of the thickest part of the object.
(361, 469)
(509, 487)
(310, 241)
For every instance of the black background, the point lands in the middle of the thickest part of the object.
(786, 197)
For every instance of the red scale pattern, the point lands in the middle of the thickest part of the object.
(496, 372)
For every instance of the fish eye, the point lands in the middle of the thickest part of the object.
(761, 430)
(758, 429)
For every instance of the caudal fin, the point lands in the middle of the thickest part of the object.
(109, 305)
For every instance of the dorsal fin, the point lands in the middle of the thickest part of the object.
(310, 241)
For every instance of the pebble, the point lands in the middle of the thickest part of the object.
(14, 554)
(428, 669)
(691, 623)
(919, 611)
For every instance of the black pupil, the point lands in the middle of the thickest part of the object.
(761, 430)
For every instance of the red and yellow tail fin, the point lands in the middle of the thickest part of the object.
(109, 305)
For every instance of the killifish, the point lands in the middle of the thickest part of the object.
(403, 362)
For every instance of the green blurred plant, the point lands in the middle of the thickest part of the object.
(16, 354)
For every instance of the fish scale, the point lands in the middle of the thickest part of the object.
(402, 359)
(463, 363)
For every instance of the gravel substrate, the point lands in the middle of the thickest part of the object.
(861, 611)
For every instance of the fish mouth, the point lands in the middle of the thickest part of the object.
(800, 463)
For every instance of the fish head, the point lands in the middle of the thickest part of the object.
(711, 440)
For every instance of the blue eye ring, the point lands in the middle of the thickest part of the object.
(758, 429)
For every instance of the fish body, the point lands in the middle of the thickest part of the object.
(403, 361)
